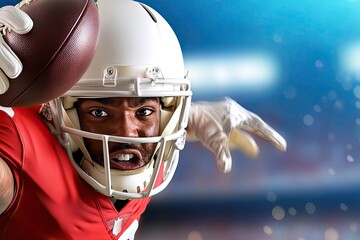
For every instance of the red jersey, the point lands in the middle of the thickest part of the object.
(51, 199)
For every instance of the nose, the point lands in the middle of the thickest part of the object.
(127, 126)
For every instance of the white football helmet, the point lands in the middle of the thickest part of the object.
(138, 55)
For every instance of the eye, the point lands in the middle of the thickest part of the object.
(99, 113)
(143, 112)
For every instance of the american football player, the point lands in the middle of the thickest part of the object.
(85, 165)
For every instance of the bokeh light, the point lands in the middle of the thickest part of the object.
(255, 71)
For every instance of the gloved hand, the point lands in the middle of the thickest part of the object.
(219, 127)
(16, 20)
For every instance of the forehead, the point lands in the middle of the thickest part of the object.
(114, 101)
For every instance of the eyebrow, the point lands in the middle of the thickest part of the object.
(139, 101)
(142, 100)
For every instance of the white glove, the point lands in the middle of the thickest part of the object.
(219, 127)
(16, 20)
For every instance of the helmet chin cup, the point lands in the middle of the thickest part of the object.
(122, 182)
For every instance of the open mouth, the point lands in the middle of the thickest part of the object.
(126, 160)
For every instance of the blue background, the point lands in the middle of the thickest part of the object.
(305, 83)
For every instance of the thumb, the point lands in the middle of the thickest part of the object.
(244, 142)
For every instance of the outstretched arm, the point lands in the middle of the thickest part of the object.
(6, 186)
(10, 67)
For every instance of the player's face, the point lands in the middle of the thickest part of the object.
(125, 117)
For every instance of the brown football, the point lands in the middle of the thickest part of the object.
(55, 53)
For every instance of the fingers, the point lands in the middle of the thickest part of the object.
(4, 83)
(9, 62)
(257, 126)
(15, 19)
(220, 126)
(272, 136)
(240, 118)
(223, 157)
(209, 132)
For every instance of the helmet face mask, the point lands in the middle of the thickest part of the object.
(138, 56)
(126, 117)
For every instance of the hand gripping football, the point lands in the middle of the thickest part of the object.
(55, 53)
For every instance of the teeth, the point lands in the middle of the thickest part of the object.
(124, 157)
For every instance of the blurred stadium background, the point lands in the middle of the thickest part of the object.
(297, 65)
